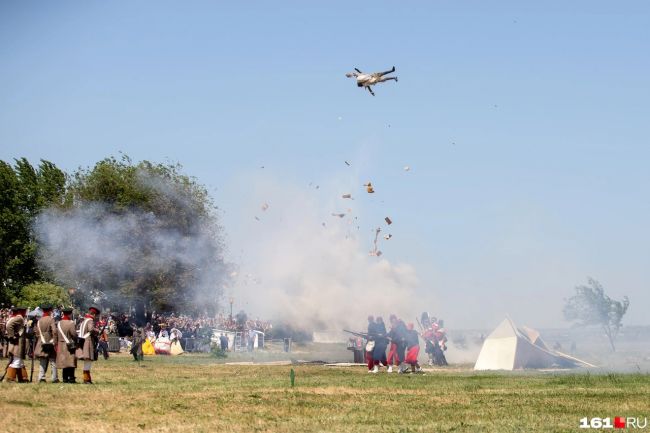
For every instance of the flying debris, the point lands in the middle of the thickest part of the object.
(369, 188)
(388, 236)
(347, 196)
(265, 206)
(347, 163)
(407, 168)
(375, 251)
(388, 221)
(323, 224)
(340, 118)
(340, 215)
(257, 218)
(367, 80)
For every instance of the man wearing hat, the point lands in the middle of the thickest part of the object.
(87, 334)
(45, 335)
(17, 345)
(66, 337)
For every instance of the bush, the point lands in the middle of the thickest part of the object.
(35, 294)
(216, 352)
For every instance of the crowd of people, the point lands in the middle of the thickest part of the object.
(190, 326)
(56, 340)
(403, 343)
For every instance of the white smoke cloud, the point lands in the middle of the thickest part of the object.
(93, 247)
(310, 274)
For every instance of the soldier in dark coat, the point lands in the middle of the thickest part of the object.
(370, 345)
(88, 334)
(66, 344)
(136, 346)
(381, 342)
(45, 335)
(17, 345)
(397, 335)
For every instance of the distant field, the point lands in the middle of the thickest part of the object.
(194, 393)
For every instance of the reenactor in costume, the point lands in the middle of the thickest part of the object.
(413, 349)
(66, 337)
(370, 345)
(436, 342)
(136, 347)
(102, 345)
(397, 334)
(3, 340)
(17, 346)
(381, 341)
(46, 341)
(87, 338)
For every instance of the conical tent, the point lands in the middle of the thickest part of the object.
(508, 348)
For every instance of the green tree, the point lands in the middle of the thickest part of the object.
(35, 294)
(24, 191)
(591, 306)
(141, 234)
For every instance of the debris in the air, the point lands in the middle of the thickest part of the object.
(347, 196)
(323, 224)
(367, 80)
(265, 206)
(375, 251)
(388, 221)
(388, 236)
(340, 118)
(257, 218)
(369, 188)
(347, 163)
(340, 215)
(407, 168)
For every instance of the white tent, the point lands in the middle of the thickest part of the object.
(509, 348)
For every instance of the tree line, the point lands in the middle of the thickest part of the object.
(171, 240)
(162, 222)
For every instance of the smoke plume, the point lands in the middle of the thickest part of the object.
(304, 265)
(173, 258)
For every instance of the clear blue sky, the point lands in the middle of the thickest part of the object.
(525, 124)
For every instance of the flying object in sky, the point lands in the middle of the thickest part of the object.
(367, 80)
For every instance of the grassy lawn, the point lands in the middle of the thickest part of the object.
(195, 393)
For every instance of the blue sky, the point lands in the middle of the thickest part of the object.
(525, 125)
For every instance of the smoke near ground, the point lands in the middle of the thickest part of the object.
(301, 264)
(172, 257)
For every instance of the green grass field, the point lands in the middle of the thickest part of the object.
(197, 393)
